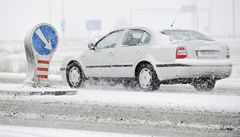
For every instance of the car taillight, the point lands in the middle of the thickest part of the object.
(228, 53)
(181, 53)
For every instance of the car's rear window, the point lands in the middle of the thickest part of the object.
(185, 35)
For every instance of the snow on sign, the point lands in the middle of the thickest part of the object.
(40, 44)
(44, 39)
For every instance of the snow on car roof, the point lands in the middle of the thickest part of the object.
(151, 28)
(154, 31)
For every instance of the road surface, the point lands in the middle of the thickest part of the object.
(174, 110)
(101, 110)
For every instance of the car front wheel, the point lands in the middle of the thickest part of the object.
(74, 75)
(147, 78)
(204, 84)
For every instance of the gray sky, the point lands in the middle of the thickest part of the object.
(18, 16)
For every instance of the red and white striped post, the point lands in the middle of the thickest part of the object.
(42, 69)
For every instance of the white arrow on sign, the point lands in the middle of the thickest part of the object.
(47, 43)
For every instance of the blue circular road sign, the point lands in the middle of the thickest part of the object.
(44, 39)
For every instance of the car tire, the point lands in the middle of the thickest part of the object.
(204, 84)
(74, 75)
(147, 77)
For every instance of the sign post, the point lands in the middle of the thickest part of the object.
(40, 44)
(93, 25)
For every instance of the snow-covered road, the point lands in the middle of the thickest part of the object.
(174, 110)
(165, 100)
(135, 112)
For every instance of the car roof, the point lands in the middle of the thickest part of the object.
(147, 28)
(153, 31)
(152, 28)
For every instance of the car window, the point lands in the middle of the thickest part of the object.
(146, 37)
(109, 40)
(185, 35)
(136, 37)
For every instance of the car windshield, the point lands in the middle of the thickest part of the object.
(185, 35)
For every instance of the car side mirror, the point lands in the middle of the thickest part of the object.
(91, 46)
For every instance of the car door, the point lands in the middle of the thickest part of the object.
(99, 60)
(129, 51)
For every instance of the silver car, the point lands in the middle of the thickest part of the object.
(145, 57)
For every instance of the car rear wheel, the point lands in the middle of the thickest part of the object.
(204, 84)
(74, 75)
(147, 78)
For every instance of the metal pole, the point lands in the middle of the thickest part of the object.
(50, 10)
(196, 13)
(131, 16)
(63, 9)
(233, 12)
(210, 18)
(193, 14)
(63, 20)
